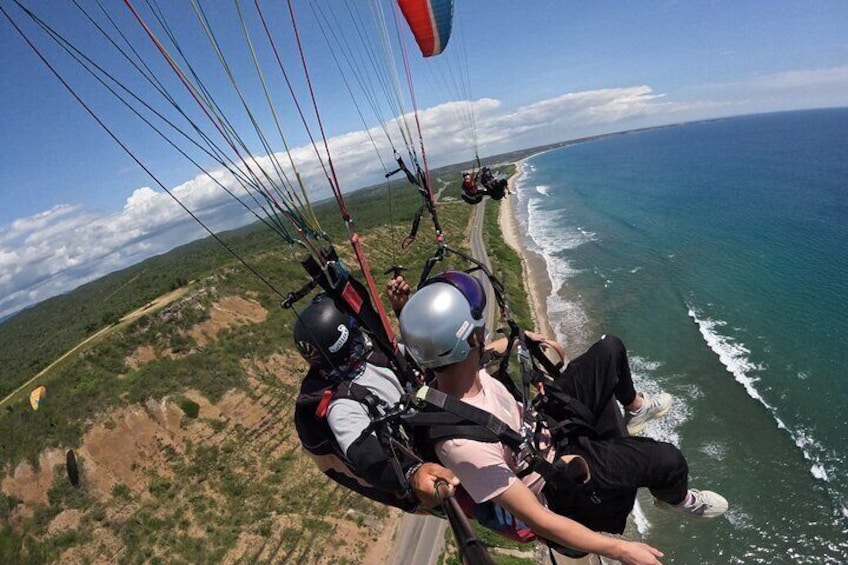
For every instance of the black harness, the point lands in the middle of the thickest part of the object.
(318, 440)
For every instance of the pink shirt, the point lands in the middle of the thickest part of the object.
(488, 469)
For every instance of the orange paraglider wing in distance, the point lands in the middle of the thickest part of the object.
(36, 395)
(430, 22)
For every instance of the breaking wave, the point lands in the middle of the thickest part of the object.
(735, 357)
(550, 238)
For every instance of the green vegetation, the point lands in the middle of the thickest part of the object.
(32, 339)
(233, 480)
(506, 264)
(190, 408)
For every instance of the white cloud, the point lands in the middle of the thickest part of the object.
(804, 78)
(68, 245)
(786, 90)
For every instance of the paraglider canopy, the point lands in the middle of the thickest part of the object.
(36, 395)
(430, 22)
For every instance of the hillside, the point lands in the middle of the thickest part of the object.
(181, 418)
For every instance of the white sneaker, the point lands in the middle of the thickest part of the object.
(653, 406)
(702, 503)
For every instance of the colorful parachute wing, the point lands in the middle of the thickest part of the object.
(36, 395)
(430, 22)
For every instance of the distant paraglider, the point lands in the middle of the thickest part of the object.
(488, 185)
(71, 466)
(36, 395)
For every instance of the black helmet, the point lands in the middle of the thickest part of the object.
(328, 338)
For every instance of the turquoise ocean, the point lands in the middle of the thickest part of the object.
(718, 251)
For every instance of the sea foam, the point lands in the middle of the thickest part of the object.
(819, 472)
(714, 450)
(646, 378)
(734, 357)
(639, 519)
(549, 239)
(567, 317)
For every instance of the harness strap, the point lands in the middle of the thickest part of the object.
(475, 418)
(502, 374)
(473, 414)
(361, 394)
(413, 231)
(324, 404)
(539, 356)
(584, 417)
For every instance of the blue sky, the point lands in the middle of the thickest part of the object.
(77, 207)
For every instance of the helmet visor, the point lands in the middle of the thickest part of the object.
(469, 286)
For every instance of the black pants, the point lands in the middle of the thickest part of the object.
(618, 464)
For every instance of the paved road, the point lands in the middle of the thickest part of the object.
(478, 251)
(420, 540)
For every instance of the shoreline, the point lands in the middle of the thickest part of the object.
(534, 269)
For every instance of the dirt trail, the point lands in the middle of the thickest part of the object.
(153, 306)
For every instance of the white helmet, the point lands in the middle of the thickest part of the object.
(439, 318)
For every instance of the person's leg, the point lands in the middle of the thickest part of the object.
(598, 374)
(586, 389)
(618, 467)
(631, 463)
(603, 372)
(621, 465)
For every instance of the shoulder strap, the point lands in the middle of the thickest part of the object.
(316, 394)
(379, 359)
(502, 374)
(355, 391)
(462, 411)
(531, 375)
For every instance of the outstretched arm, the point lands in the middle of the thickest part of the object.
(523, 504)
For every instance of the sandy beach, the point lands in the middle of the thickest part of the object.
(538, 286)
(534, 270)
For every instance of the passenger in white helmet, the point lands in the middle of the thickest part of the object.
(442, 325)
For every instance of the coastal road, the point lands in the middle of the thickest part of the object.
(420, 540)
(478, 251)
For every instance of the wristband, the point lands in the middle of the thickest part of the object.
(411, 471)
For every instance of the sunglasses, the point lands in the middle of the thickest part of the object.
(470, 287)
